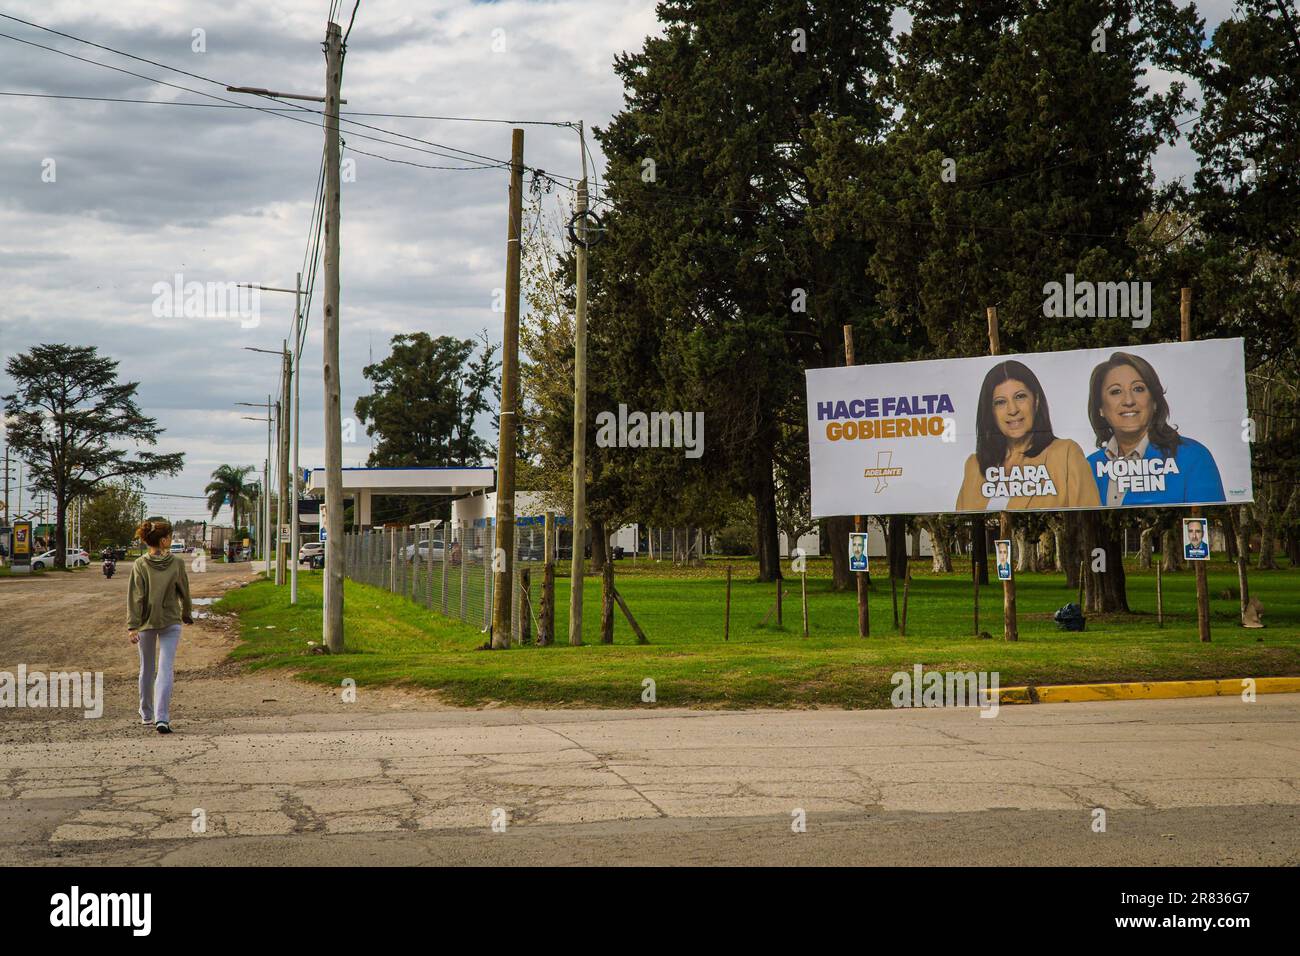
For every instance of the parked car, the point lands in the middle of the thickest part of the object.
(309, 550)
(422, 550)
(76, 558)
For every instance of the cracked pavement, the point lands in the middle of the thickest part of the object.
(279, 772)
(558, 774)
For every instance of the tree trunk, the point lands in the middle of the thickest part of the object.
(1229, 518)
(837, 540)
(1070, 551)
(60, 533)
(979, 548)
(1144, 547)
(769, 544)
(1105, 590)
(1267, 541)
(598, 545)
(1020, 537)
(1171, 551)
(940, 544)
(1046, 550)
(898, 547)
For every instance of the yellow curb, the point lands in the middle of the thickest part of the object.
(1159, 690)
(1015, 695)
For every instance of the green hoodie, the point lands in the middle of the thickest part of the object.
(160, 593)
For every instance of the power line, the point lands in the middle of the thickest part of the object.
(207, 79)
(260, 109)
(280, 109)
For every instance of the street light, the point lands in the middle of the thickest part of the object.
(271, 409)
(295, 364)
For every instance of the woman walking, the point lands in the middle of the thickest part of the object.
(158, 602)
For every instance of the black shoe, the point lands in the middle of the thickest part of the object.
(164, 727)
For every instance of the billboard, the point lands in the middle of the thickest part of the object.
(1136, 426)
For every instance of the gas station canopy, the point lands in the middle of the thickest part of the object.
(361, 484)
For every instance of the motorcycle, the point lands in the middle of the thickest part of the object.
(109, 566)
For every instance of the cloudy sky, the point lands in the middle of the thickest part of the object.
(144, 193)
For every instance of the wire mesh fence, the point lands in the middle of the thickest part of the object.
(448, 568)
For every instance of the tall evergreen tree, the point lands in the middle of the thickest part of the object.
(711, 260)
(69, 418)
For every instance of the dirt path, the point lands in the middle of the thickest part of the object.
(77, 621)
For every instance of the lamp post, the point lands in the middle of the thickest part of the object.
(271, 409)
(289, 492)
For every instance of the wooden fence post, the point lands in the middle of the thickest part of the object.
(726, 621)
(607, 603)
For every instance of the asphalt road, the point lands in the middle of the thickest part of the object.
(280, 773)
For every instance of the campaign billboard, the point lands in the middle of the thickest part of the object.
(1126, 427)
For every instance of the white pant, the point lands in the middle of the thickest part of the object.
(156, 696)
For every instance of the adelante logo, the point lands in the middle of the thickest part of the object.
(883, 470)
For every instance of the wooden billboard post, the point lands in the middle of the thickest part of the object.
(1202, 582)
(1010, 631)
(859, 524)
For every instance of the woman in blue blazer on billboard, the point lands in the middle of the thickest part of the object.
(1141, 458)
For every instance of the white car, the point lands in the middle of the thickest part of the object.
(76, 558)
(422, 549)
(309, 550)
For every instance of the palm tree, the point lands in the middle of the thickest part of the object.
(227, 487)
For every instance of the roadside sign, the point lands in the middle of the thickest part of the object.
(22, 548)
(286, 534)
(322, 523)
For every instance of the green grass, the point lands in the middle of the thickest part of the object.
(390, 640)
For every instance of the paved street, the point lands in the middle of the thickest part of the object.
(1209, 781)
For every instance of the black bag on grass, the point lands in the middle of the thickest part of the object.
(1069, 618)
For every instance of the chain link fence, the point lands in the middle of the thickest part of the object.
(448, 568)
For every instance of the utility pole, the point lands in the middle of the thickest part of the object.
(291, 370)
(578, 519)
(266, 486)
(297, 376)
(332, 630)
(283, 452)
(264, 505)
(503, 560)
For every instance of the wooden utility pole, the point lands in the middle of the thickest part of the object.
(1010, 630)
(578, 517)
(859, 524)
(503, 559)
(333, 604)
(1202, 583)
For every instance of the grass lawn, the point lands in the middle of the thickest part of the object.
(393, 641)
